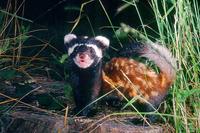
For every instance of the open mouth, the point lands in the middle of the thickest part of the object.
(83, 61)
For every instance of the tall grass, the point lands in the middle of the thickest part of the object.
(14, 32)
(178, 26)
(183, 33)
(12, 36)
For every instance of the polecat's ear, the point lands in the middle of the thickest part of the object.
(69, 37)
(103, 40)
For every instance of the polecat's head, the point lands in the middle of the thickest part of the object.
(85, 51)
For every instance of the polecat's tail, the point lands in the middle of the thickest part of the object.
(160, 55)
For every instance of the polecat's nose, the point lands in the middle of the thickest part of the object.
(82, 56)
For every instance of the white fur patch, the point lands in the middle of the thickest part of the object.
(103, 40)
(97, 50)
(85, 37)
(69, 37)
(71, 49)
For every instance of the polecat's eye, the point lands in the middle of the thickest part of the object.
(91, 51)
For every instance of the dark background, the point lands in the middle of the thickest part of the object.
(55, 18)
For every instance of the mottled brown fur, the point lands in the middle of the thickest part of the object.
(134, 78)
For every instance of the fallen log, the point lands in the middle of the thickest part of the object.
(32, 122)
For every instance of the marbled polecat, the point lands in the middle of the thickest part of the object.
(131, 77)
(85, 66)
